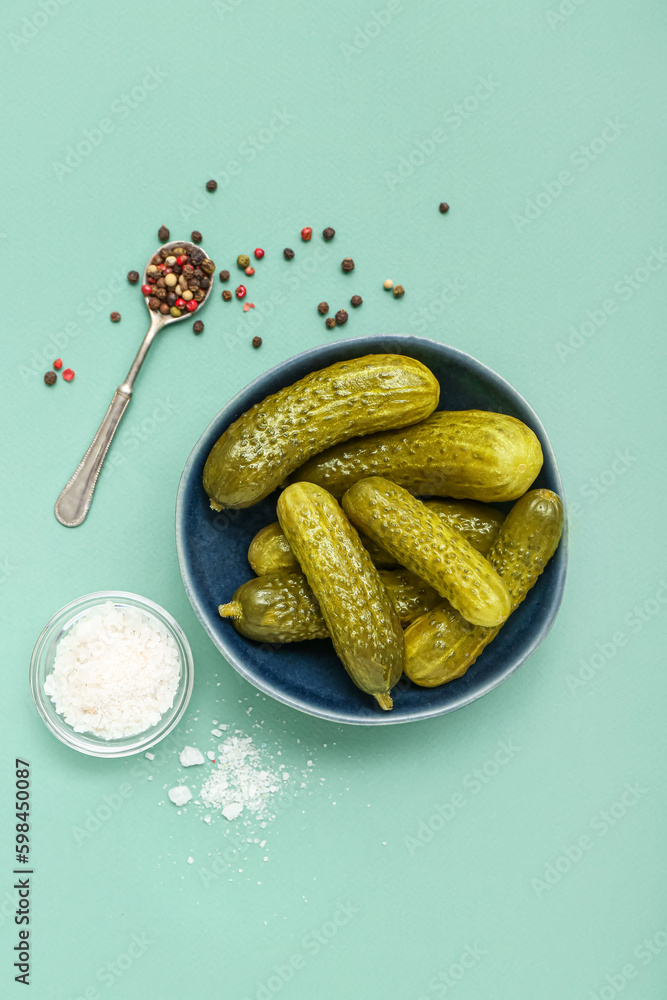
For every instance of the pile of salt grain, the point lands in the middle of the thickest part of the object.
(115, 673)
(240, 782)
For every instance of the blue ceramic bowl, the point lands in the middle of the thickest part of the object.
(212, 551)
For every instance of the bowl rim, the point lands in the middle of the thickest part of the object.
(88, 743)
(404, 340)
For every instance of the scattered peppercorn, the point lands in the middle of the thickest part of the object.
(224, 276)
(133, 277)
(259, 253)
(444, 207)
(227, 295)
(196, 236)
(356, 300)
(211, 185)
(329, 233)
(163, 234)
(323, 308)
(115, 317)
(347, 264)
(388, 284)
(288, 253)
(256, 341)
(330, 322)
(341, 317)
(240, 291)
(57, 364)
(50, 378)
(243, 261)
(250, 271)
(398, 291)
(68, 374)
(198, 326)
(306, 233)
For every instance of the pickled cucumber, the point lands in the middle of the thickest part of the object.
(465, 454)
(421, 541)
(441, 645)
(259, 450)
(360, 618)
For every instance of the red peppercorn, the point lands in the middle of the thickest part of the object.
(306, 233)
(240, 292)
(250, 271)
(146, 289)
(182, 259)
(180, 303)
(259, 253)
(68, 374)
(57, 364)
(191, 306)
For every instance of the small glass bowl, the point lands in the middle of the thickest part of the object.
(41, 666)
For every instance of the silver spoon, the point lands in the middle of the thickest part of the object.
(74, 502)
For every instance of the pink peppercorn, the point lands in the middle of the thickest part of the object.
(240, 292)
(306, 233)
(259, 253)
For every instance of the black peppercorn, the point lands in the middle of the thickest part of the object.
(50, 378)
(444, 207)
(198, 326)
(196, 237)
(323, 308)
(256, 341)
(329, 233)
(203, 282)
(356, 300)
(398, 291)
(153, 303)
(224, 276)
(288, 253)
(115, 317)
(347, 264)
(163, 234)
(227, 295)
(160, 293)
(176, 268)
(330, 322)
(133, 277)
(198, 295)
(171, 298)
(211, 185)
(341, 317)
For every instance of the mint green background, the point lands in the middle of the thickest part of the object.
(519, 286)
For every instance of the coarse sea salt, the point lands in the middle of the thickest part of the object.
(115, 673)
(240, 782)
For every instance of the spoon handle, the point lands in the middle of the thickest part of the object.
(73, 503)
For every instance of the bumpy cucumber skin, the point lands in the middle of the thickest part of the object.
(421, 541)
(281, 607)
(441, 645)
(360, 618)
(465, 454)
(272, 439)
(269, 550)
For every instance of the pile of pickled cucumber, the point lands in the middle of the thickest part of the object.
(399, 584)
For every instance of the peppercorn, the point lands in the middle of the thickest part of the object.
(171, 298)
(398, 291)
(178, 252)
(57, 364)
(164, 309)
(160, 293)
(197, 326)
(224, 275)
(199, 296)
(202, 283)
(188, 270)
(444, 207)
(196, 236)
(50, 378)
(68, 374)
(329, 233)
(227, 295)
(256, 341)
(243, 261)
(163, 234)
(175, 311)
(191, 305)
(306, 233)
(259, 253)
(147, 289)
(115, 317)
(250, 271)
(323, 308)
(356, 301)
(211, 185)
(330, 322)
(347, 264)
(170, 260)
(288, 253)
(133, 277)
(170, 280)
(153, 303)
(159, 284)
(240, 291)
(388, 283)
(198, 273)
(341, 317)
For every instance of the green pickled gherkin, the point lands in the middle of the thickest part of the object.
(281, 607)
(263, 446)
(270, 552)
(423, 542)
(360, 618)
(441, 645)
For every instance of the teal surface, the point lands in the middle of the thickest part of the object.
(514, 849)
